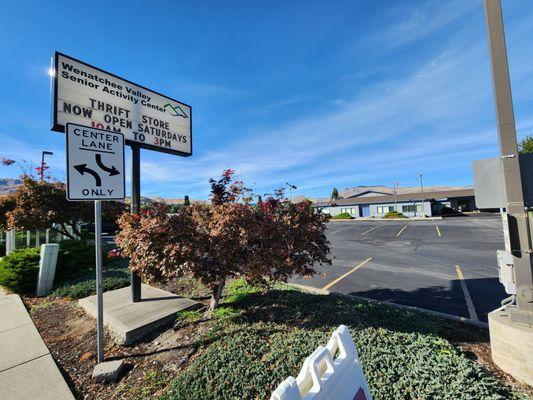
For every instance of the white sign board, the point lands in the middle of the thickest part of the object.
(324, 377)
(89, 96)
(95, 164)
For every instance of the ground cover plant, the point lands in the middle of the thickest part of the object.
(115, 275)
(258, 336)
(260, 339)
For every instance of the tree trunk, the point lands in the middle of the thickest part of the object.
(215, 296)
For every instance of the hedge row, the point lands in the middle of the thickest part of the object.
(19, 270)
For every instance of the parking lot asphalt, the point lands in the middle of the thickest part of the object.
(444, 265)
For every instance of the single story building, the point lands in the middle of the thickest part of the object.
(414, 204)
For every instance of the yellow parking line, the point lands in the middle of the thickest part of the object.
(401, 230)
(438, 230)
(370, 230)
(468, 299)
(346, 274)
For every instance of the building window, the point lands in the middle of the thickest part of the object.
(411, 208)
(385, 209)
(349, 210)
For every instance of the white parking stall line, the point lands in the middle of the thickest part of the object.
(370, 230)
(346, 274)
(343, 229)
(401, 230)
(469, 302)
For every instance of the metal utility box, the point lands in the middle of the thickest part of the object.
(489, 188)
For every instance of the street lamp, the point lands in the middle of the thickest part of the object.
(43, 153)
(421, 193)
(291, 187)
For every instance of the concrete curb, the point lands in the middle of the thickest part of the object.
(452, 317)
(387, 219)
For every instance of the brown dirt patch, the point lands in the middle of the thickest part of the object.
(151, 365)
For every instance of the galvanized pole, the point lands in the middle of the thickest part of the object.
(517, 213)
(99, 289)
(135, 209)
(421, 194)
(395, 186)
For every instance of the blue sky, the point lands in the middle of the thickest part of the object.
(317, 94)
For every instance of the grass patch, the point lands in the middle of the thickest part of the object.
(261, 339)
(152, 382)
(223, 312)
(189, 316)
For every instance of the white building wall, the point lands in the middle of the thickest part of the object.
(335, 210)
(379, 210)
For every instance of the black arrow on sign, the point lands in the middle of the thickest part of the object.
(82, 169)
(112, 171)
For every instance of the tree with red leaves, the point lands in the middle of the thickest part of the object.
(43, 204)
(271, 241)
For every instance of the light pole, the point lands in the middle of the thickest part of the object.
(291, 187)
(395, 187)
(421, 192)
(516, 210)
(511, 326)
(43, 153)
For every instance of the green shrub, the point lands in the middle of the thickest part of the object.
(19, 270)
(76, 258)
(342, 216)
(394, 214)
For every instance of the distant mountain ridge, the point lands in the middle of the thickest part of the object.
(9, 185)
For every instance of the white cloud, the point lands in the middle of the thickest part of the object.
(438, 118)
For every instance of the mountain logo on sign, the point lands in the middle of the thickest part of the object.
(175, 111)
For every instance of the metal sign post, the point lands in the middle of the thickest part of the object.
(95, 171)
(99, 290)
(135, 209)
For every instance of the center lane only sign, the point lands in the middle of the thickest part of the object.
(95, 164)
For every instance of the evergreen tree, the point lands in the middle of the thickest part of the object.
(526, 145)
(186, 201)
(335, 194)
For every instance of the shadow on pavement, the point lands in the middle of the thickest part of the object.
(486, 295)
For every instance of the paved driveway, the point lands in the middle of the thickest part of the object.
(445, 265)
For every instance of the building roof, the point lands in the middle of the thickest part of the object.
(385, 190)
(444, 194)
